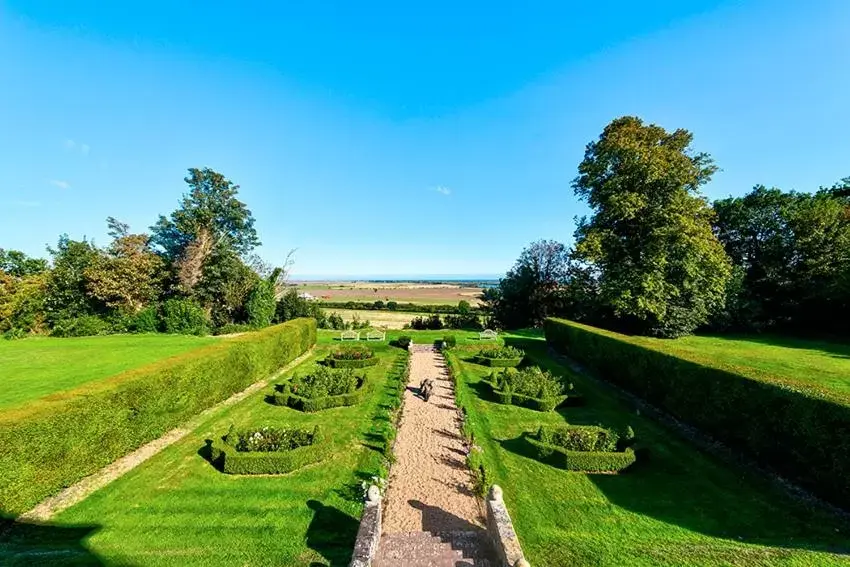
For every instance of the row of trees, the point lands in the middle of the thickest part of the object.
(194, 270)
(656, 258)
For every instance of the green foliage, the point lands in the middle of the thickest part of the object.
(357, 352)
(146, 320)
(323, 381)
(50, 444)
(268, 450)
(322, 388)
(661, 271)
(83, 326)
(291, 306)
(66, 294)
(14, 334)
(814, 449)
(530, 387)
(127, 275)
(22, 302)
(433, 322)
(209, 208)
(449, 341)
(341, 363)
(791, 252)
(502, 352)
(17, 264)
(260, 307)
(264, 439)
(403, 341)
(183, 317)
(392, 305)
(588, 449)
(533, 289)
(224, 287)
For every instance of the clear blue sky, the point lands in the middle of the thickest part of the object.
(396, 137)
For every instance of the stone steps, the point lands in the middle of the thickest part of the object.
(424, 549)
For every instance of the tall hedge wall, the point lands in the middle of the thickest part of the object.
(801, 435)
(54, 442)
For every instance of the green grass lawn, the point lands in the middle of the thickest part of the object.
(800, 362)
(33, 368)
(679, 507)
(177, 509)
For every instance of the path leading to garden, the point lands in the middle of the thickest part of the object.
(432, 516)
(52, 505)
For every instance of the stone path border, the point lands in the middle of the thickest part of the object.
(75, 493)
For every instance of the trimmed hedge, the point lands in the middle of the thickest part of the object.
(799, 434)
(497, 362)
(539, 404)
(53, 442)
(582, 461)
(285, 397)
(344, 363)
(231, 461)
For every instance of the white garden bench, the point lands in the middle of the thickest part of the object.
(487, 335)
(349, 336)
(376, 336)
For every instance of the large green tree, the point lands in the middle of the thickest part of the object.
(210, 219)
(127, 275)
(67, 296)
(16, 263)
(534, 288)
(649, 243)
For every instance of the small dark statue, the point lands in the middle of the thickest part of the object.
(426, 388)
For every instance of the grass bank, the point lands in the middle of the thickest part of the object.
(679, 507)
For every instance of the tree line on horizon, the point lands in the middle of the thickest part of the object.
(656, 258)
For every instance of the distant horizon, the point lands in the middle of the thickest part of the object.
(394, 277)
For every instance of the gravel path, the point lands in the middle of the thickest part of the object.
(430, 487)
(52, 505)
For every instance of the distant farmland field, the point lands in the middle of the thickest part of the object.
(401, 292)
(388, 319)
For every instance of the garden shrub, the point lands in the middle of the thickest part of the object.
(403, 341)
(51, 443)
(268, 450)
(530, 387)
(14, 334)
(184, 317)
(145, 321)
(449, 341)
(352, 357)
(801, 434)
(501, 357)
(321, 388)
(585, 448)
(84, 326)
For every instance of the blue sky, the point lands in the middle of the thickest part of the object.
(393, 137)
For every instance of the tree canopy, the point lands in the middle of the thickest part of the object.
(649, 243)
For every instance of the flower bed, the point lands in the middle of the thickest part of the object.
(584, 448)
(530, 387)
(321, 388)
(267, 450)
(352, 357)
(503, 357)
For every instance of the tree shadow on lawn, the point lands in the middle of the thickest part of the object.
(664, 489)
(331, 533)
(45, 544)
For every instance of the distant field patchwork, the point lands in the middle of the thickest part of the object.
(400, 292)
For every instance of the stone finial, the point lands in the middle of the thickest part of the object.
(373, 495)
(496, 492)
(522, 563)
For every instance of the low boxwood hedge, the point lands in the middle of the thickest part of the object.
(582, 461)
(497, 362)
(53, 442)
(539, 404)
(231, 461)
(285, 397)
(343, 363)
(803, 435)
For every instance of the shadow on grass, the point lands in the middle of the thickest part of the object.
(45, 544)
(673, 492)
(331, 534)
